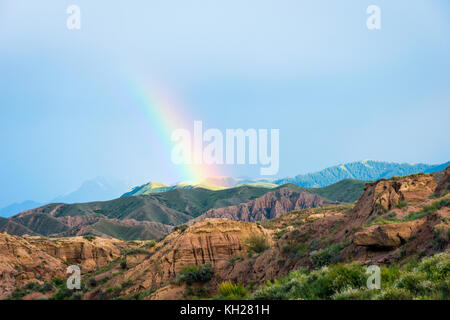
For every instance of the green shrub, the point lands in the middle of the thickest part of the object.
(90, 237)
(141, 295)
(30, 287)
(436, 267)
(428, 279)
(18, 294)
(326, 256)
(150, 244)
(232, 261)
(232, 291)
(413, 282)
(181, 228)
(441, 238)
(380, 208)
(394, 294)
(194, 274)
(427, 210)
(354, 294)
(391, 215)
(389, 275)
(402, 204)
(126, 284)
(93, 282)
(58, 282)
(257, 243)
(63, 294)
(137, 251)
(33, 286)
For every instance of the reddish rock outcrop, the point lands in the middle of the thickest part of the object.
(444, 183)
(35, 259)
(87, 254)
(268, 206)
(384, 195)
(211, 241)
(388, 235)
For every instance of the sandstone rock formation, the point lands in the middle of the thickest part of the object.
(21, 262)
(37, 259)
(211, 241)
(388, 235)
(381, 196)
(87, 254)
(444, 183)
(268, 206)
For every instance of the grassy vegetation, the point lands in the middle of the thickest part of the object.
(429, 279)
(232, 261)
(150, 244)
(402, 204)
(297, 217)
(126, 232)
(141, 295)
(137, 251)
(257, 243)
(326, 256)
(425, 211)
(231, 291)
(57, 284)
(29, 288)
(181, 228)
(295, 248)
(441, 237)
(348, 190)
(193, 274)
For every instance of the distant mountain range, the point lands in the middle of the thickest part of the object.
(103, 189)
(366, 170)
(14, 208)
(98, 189)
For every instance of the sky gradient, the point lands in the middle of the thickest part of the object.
(74, 104)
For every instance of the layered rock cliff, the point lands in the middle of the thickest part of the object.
(268, 206)
(211, 241)
(36, 259)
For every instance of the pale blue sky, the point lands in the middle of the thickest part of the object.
(337, 91)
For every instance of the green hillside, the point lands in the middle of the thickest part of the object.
(348, 190)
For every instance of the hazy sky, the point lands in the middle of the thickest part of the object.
(337, 91)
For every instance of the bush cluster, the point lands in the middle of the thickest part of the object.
(194, 274)
(326, 256)
(428, 279)
(229, 290)
(257, 243)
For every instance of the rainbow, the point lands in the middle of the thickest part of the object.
(162, 113)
